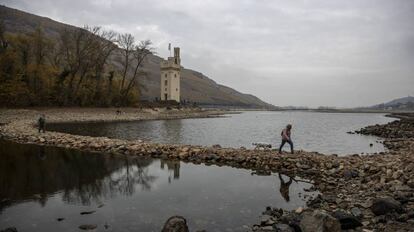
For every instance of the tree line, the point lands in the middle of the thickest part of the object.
(86, 66)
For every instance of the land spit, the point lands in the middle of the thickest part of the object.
(358, 192)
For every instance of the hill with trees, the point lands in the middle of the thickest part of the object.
(48, 63)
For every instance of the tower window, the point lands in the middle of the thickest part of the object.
(176, 89)
(165, 89)
(166, 82)
(175, 75)
(165, 75)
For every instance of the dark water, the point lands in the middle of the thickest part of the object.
(322, 132)
(40, 184)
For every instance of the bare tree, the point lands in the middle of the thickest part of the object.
(104, 49)
(140, 53)
(3, 42)
(84, 53)
(127, 43)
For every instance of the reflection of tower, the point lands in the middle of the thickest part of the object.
(172, 165)
(176, 170)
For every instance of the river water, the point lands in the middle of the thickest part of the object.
(312, 131)
(40, 184)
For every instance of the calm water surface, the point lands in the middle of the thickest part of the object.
(322, 132)
(40, 184)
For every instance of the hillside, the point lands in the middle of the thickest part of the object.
(404, 103)
(195, 86)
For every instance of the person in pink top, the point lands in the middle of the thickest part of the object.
(286, 138)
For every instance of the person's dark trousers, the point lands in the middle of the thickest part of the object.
(41, 128)
(283, 143)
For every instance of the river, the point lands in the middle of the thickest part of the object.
(312, 131)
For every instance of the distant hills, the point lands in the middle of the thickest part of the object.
(195, 86)
(404, 103)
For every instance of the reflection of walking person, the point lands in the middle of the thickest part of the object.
(284, 187)
(41, 123)
(286, 138)
(42, 153)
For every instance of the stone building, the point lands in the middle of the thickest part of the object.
(170, 77)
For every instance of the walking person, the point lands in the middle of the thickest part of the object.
(41, 123)
(286, 138)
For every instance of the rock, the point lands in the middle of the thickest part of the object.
(381, 206)
(348, 174)
(266, 228)
(410, 214)
(319, 221)
(183, 155)
(329, 198)
(87, 212)
(88, 227)
(410, 183)
(403, 197)
(299, 210)
(347, 221)
(402, 218)
(60, 219)
(356, 212)
(366, 204)
(283, 228)
(266, 220)
(175, 224)
(10, 229)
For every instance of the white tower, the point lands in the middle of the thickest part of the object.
(170, 77)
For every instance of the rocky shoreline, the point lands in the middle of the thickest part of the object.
(358, 193)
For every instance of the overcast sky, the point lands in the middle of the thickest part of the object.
(304, 53)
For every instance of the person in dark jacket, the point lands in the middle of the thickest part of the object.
(286, 138)
(41, 123)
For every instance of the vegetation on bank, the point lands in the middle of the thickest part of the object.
(70, 69)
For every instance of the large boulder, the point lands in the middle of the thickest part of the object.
(283, 228)
(348, 221)
(319, 221)
(381, 206)
(175, 224)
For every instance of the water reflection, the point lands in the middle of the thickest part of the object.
(172, 166)
(284, 187)
(80, 177)
(41, 184)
